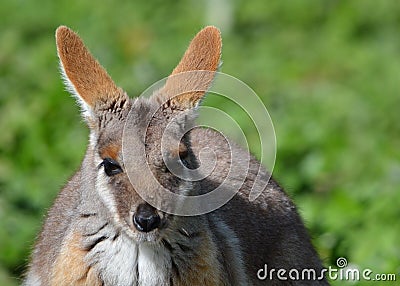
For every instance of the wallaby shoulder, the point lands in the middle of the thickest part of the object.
(267, 230)
(57, 223)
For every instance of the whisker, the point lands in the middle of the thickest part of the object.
(96, 231)
(94, 243)
(184, 248)
(184, 232)
(175, 268)
(167, 244)
(85, 215)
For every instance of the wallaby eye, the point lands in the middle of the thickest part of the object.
(111, 167)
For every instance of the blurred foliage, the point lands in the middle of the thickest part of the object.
(328, 72)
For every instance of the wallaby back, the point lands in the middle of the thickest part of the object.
(101, 231)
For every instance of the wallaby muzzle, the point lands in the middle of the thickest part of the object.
(146, 218)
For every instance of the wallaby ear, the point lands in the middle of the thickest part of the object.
(192, 77)
(85, 78)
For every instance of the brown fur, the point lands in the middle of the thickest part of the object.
(204, 269)
(90, 79)
(203, 54)
(110, 151)
(68, 268)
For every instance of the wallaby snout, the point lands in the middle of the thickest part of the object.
(146, 218)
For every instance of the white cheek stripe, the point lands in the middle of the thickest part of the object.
(106, 196)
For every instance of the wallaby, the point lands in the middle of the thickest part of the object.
(100, 231)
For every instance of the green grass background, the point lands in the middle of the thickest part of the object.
(328, 72)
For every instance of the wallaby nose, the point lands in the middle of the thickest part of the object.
(146, 218)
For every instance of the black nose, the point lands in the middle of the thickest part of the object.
(146, 218)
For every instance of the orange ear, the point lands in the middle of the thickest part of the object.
(192, 77)
(203, 53)
(84, 76)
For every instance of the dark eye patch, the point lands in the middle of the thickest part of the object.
(111, 167)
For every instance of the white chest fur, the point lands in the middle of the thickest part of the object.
(123, 262)
(154, 265)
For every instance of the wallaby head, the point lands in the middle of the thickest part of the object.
(106, 107)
